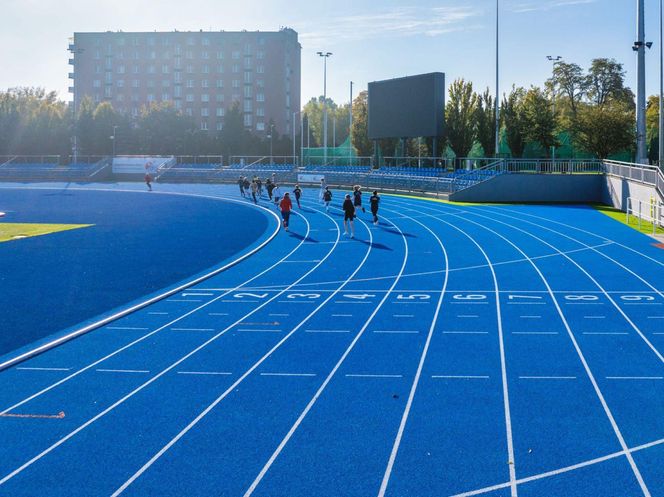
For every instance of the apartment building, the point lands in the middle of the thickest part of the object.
(202, 73)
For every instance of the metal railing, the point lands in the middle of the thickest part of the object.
(651, 212)
(554, 166)
(249, 161)
(463, 180)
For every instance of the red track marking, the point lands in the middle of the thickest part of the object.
(658, 245)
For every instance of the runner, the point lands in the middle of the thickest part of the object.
(327, 198)
(240, 182)
(247, 185)
(286, 205)
(357, 198)
(298, 193)
(148, 175)
(254, 190)
(323, 186)
(269, 186)
(349, 214)
(276, 193)
(259, 184)
(373, 202)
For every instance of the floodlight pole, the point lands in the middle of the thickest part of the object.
(640, 49)
(553, 60)
(325, 55)
(350, 126)
(496, 105)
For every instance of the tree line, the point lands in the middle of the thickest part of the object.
(594, 108)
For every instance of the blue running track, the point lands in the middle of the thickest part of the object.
(449, 351)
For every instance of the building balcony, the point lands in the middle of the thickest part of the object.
(71, 47)
(70, 89)
(71, 62)
(71, 75)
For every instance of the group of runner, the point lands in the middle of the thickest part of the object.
(350, 206)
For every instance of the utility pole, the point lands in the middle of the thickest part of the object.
(640, 48)
(496, 105)
(554, 60)
(350, 126)
(325, 55)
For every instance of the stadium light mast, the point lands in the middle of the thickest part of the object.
(325, 56)
(495, 105)
(554, 61)
(639, 47)
(350, 126)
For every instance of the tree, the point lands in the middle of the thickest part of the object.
(460, 116)
(606, 81)
(605, 129)
(486, 123)
(512, 116)
(539, 123)
(652, 127)
(360, 138)
(568, 85)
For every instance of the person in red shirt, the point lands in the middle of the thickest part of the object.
(286, 206)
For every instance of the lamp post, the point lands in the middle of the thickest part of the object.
(495, 104)
(113, 138)
(350, 127)
(553, 60)
(639, 47)
(295, 114)
(325, 56)
(270, 137)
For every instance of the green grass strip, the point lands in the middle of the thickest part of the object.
(18, 231)
(618, 215)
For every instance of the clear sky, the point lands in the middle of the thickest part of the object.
(370, 39)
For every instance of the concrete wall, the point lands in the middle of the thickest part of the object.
(616, 191)
(581, 188)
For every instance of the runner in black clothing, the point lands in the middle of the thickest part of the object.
(298, 193)
(241, 183)
(269, 186)
(327, 198)
(374, 201)
(259, 184)
(247, 185)
(357, 198)
(349, 214)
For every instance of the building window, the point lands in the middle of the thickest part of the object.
(247, 92)
(220, 55)
(165, 97)
(177, 77)
(205, 112)
(97, 54)
(121, 69)
(190, 83)
(206, 69)
(205, 83)
(260, 69)
(247, 120)
(220, 83)
(190, 69)
(205, 55)
(205, 97)
(150, 97)
(96, 83)
(151, 69)
(177, 91)
(236, 83)
(120, 83)
(247, 63)
(164, 69)
(247, 78)
(204, 126)
(260, 111)
(97, 69)
(236, 68)
(190, 97)
(135, 83)
(260, 54)
(220, 126)
(260, 97)
(220, 69)
(135, 69)
(189, 112)
(260, 126)
(205, 41)
(178, 105)
(247, 106)
(260, 83)
(220, 112)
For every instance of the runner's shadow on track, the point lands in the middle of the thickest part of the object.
(310, 211)
(390, 230)
(375, 245)
(300, 237)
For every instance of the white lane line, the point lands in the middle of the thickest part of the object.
(101, 414)
(183, 300)
(197, 295)
(26, 368)
(459, 377)
(547, 377)
(534, 333)
(468, 315)
(407, 332)
(465, 332)
(126, 328)
(281, 315)
(257, 364)
(218, 313)
(604, 333)
(122, 370)
(205, 373)
(192, 329)
(403, 315)
(530, 317)
(573, 339)
(594, 317)
(560, 471)
(642, 303)
(327, 331)
(329, 377)
(655, 317)
(342, 315)
(260, 331)
(634, 377)
(287, 374)
(373, 376)
(153, 313)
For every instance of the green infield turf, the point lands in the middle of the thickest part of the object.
(18, 231)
